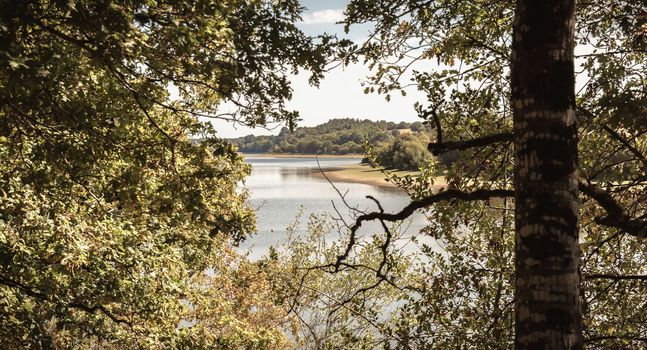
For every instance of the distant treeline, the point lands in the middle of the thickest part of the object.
(397, 145)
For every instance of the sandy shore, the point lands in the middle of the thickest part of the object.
(364, 174)
(355, 173)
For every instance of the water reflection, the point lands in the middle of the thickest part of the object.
(281, 188)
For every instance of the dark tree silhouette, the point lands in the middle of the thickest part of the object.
(547, 304)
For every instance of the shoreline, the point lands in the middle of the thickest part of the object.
(305, 155)
(355, 173)
(364, 174)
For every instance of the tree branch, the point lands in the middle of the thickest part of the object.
(616, 277)
(42, 296)
(615, 135)
(615, 337)
(625, 143)
(616, 216)
(481, 194)
(99, 307)
(433, 113)
(437, 148)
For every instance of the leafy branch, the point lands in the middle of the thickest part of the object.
(615, 214)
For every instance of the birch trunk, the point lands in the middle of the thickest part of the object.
(547, 310)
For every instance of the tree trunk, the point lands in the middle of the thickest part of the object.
(547, 309)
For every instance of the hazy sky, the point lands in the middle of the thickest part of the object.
(340, 93)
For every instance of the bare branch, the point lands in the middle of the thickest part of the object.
(481, 194)
(387, 241)
(482, 44)
(341, 196)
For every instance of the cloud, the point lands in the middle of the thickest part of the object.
(323, 16)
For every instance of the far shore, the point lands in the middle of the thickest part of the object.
(354, 173)
(297, 155)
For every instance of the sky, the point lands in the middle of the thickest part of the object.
(340, 94)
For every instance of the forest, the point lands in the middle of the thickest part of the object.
(123, 211)
(393, 145)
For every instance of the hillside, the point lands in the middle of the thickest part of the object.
(398, 145)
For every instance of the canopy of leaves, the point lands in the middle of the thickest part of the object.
(115, 227)
(466, 297)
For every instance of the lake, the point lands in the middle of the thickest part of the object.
(282, 188)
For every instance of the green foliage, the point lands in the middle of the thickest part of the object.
(336, 136)
(395, 145)
(115, 227)
(404, 152)
(326, 312)
(466, 298)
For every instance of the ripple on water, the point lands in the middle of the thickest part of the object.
(282, 188)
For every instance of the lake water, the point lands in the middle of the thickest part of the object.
(282, 188)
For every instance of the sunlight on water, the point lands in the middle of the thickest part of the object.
(281, 188)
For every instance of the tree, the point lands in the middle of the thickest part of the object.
(466, 299)
(116, 226)
(417, 127)
(349, 134)
(323, 313)
(405, 152)
(547, 295)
